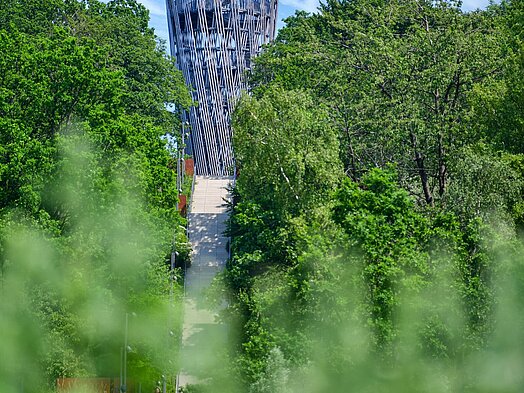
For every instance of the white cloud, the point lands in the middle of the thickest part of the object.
(306, 5)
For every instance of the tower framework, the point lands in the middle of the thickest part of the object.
(214, 43)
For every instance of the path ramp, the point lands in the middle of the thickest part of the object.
(203, 338)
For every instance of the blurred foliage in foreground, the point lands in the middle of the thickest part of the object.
(376, 229)
(64, 299)
(88, 194)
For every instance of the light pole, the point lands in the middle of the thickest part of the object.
(125, 353)
(123, 379)
(121, 368)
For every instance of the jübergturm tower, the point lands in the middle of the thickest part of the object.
(214, 42)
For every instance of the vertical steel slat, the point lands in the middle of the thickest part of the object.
(214, 47)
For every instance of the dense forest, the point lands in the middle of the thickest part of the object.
(376, 229)
(87, 193)
(377, 221)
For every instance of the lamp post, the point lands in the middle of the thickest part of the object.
(123, 378)
(125, 353)
(121, 368)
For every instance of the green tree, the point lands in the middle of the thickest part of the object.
(395, 77)
(85, 179)
(286, 151)
(498, 102)
(382, 224)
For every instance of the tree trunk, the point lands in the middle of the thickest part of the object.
(442, 170)
(419, 159)
(351, 153)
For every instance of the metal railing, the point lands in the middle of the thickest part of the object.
(188, 219)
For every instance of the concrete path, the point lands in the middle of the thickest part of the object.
(203, 338)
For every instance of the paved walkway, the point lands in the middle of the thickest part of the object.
(203, 337)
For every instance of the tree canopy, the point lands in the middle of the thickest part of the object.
(87, 191)
(376, 227)
(379, 199)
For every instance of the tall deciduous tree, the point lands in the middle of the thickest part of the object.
(286, 150)
(395, 77)
(91, 76)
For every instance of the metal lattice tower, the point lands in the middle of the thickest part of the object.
(214, 42)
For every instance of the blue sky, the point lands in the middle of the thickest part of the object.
(157, 9)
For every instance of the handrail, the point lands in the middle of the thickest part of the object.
(188, 219)
(189, 204)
